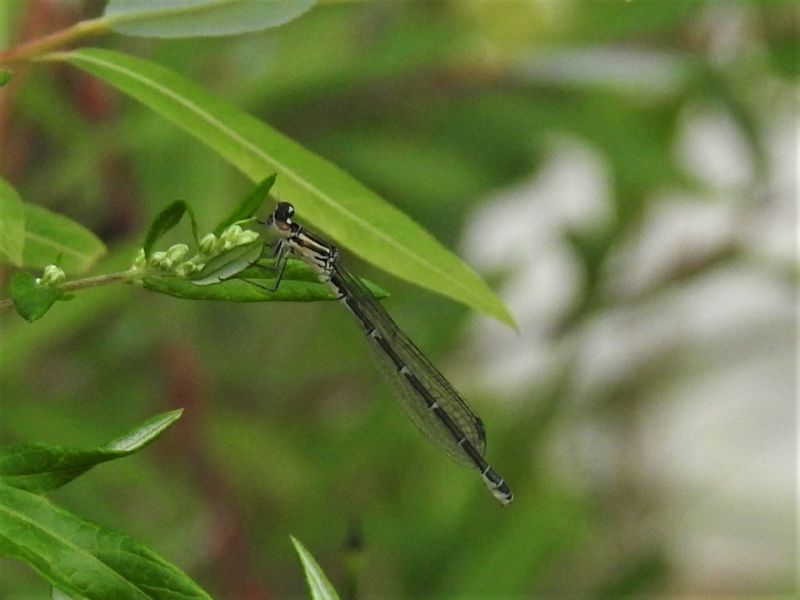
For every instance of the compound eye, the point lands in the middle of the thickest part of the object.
(283, 212)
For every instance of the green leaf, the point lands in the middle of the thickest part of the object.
(164, 221)
(57, 594)
(53, 238)
(192, 18)
(31, 300)
(5, 77)
(318, 584)
(253, 284)
(249, 204)
(12, 222)
(82, 559)
(39, 467)
(324, 195)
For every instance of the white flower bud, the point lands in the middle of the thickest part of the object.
(208, 245)
(52, 276)
(177, 252)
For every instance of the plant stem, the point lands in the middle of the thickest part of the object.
(88, 282)
(39, 46)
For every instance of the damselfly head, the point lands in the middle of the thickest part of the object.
(281, 217)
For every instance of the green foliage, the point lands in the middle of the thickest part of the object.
(323, 194)
(255, 284)
(31, 299)
(164, 221)
(249, 205)
(54, 238)
(450, 111)
(40, 468)
(318, 584)
(83, 560)
(192, 18)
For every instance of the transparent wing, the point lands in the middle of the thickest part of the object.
(440, 389)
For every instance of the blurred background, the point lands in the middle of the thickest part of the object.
(624, 174)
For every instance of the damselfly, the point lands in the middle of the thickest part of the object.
(431, 402)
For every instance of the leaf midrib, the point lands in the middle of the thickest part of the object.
(56, 245)
(69, 544)
(210, 119)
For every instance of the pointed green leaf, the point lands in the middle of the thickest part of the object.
(40, 468)
(324, 195)
(191, 18)
(12, 224)
(31, 300)
(82, 559)
(253, 284)
(318, 584)
(53, 238)
(164, 221)
(249, 204)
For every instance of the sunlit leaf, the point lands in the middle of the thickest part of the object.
(324, 195)
(318, 584)
(192, 18)
(82, 559)
(41, 467)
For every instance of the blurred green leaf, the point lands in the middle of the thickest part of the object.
(318, 584)
(298, 284)
(83, 559)
(194, 18)
(39, 467)
(5, 77)
(324, 195)
(164, 221)
(780, 23)
(12, 222)
(31, 300)
(249, 204)
(54, 238)
(621, 19)
(641, 576)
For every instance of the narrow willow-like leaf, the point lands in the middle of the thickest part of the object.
(164, 221)
(12, 223)
(192, 18)
(40, 467)
(31, 300)
(324, 195)
(249, 204)
(318, 584)
(53, 238)
(253, 284)
(82, 559)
